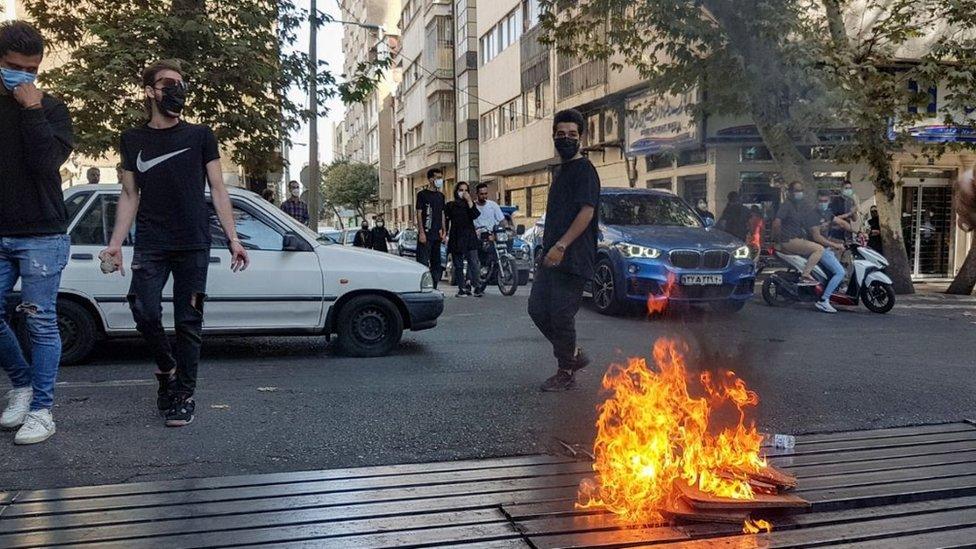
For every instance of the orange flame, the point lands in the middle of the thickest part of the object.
(652, 433)
(658, 304)
(756, 526)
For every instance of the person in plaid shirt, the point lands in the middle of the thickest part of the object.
(294, 206)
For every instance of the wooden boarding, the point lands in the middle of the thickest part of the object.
(887, 488)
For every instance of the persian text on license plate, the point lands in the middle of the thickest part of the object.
(701, 280)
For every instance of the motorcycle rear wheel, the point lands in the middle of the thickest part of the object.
(507, 276)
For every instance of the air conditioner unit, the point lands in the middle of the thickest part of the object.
(611, 126)
(594, 130)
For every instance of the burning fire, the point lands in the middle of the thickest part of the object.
(756, 526)
(658, 304)
(652, 433)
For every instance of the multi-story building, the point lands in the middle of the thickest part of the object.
(368, 126)
(424, 115)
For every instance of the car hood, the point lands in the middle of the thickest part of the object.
(353, 258)
(668, 238)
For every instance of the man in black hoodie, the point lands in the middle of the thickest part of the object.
(35, 139)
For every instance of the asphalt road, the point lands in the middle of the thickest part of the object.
(469, 389)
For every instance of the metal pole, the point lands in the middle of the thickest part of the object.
(313, 123)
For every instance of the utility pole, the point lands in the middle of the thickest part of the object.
(313, 123)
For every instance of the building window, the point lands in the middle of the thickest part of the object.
(754, 153)
(660, 161)
(536, 103)
(511, 120)
(530, 14)
(517, 198)
(505, 33)
(660, 184)
(694, 188)
(489, 125)
(694, 157)
(538, 200)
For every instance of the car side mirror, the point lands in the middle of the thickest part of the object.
(520, 230)
(709, 222)
(294, 243)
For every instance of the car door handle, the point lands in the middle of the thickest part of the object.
(214, 259)
(82, 257)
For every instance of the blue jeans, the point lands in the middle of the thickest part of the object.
(37, 262)
(832, 265)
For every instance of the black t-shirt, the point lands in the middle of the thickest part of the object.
(170, 170)
(575, 184)
(431, 205)
(796, 220)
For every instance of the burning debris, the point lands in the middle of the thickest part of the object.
(661, 454)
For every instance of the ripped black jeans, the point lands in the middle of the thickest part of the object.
(150, 273)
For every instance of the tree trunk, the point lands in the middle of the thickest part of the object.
(792, 164)
(894, 244)
(965, 281)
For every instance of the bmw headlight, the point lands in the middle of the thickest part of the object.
(743, 253)
(636, 251)
(427, 282)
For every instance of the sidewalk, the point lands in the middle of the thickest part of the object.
(890, 488)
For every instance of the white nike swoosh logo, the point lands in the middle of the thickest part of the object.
(145, 165)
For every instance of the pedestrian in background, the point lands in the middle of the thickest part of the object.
(35, 140)
(569, 250)
(94, 176)
(380, 236)
(269, 195)
(701, 208)
(462, 241)
(168, 163)
(874, 231)
(430, 224)
(735, 217)
(295, 206)
(363, 238)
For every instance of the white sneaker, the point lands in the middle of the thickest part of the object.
(37, 427)
(18, 404)
(826, 307)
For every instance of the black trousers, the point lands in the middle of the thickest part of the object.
(429, 254)
(474, 269)
(151, 270)
(553, 304)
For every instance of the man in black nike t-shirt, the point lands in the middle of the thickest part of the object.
(166, 167)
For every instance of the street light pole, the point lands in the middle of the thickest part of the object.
(313, 123)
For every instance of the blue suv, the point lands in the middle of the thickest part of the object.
(652, 244)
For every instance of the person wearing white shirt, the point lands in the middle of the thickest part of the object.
(491, 213)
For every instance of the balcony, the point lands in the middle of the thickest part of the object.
(439, 136)
(534, 58)
(577, 75)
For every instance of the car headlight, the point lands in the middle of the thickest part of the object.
(636, 251)
(427, 282)
(743, 253)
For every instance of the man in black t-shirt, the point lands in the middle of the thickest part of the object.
(569, 250)
(166, 166)
(430, 223)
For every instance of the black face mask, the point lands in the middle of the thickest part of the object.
(174, 99)
(567, 147)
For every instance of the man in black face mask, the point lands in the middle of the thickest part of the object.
(166, 165)
(569, 250)
(363, 238)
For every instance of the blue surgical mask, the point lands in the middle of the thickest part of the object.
(798, 196)
(13, 78)
(824, 206)
(848, 192)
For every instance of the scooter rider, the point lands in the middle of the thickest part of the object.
(828, 260)
(791, 231)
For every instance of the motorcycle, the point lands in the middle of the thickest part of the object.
(498, 260)
(868, 283)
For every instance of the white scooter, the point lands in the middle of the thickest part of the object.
(868, 284)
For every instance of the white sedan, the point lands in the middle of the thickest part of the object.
(299, 283)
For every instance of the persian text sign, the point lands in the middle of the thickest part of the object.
(658, 123)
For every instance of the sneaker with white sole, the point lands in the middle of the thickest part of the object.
(38, 426)
(826, 307)
(18, 404)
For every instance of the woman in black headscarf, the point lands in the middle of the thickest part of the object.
(462, 240)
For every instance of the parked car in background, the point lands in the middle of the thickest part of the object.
(349, 236)
(333, 234)
(299, 283)
(653, 245)
(406, 243)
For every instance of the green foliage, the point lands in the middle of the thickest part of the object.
(352, 185)
(235, 54)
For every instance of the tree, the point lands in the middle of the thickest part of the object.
(352, 185)
(864, 46)
(236, 55)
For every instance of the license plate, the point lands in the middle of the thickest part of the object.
(701, 280)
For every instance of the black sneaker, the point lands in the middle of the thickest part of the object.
(181, 413)
(580, 360)
(462, 293)
(479, 293)
(164, 399)
(562, 381)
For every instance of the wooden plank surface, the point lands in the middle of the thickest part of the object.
(889, 480)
